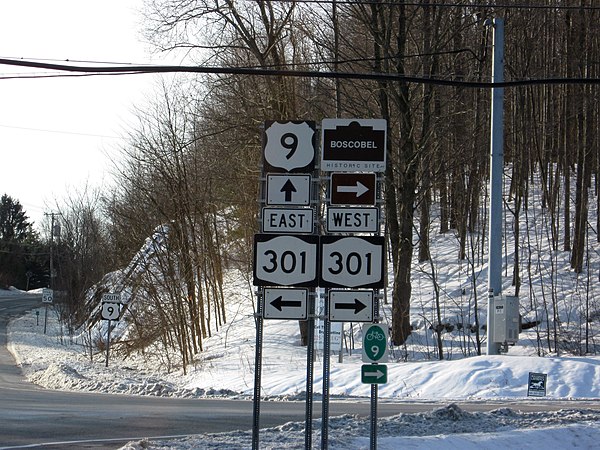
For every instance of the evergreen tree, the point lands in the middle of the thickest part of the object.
(19, 246)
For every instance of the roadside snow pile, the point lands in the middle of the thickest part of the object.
(14, 291)
(58, 376)
(226, 368)
(447, 427)
(73, 375)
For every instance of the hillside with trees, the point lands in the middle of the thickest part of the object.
(193, 160)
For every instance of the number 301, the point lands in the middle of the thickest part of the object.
(353, 263)
(288, 262)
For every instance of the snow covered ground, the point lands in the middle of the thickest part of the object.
(226, 369)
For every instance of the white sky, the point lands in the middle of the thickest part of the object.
(55, 134)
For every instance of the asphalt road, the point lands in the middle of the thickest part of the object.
(32, 417)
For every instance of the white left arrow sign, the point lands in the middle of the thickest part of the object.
(282, 303)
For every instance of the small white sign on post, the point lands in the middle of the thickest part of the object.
(287, 220)
(111, 305)
(290, 145)
(281, 303)
(47, 295)
(352, 220)
(350, 306)
(111, 311)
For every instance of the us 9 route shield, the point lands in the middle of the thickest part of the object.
(289, 146)
(282, 260)
(111, 311)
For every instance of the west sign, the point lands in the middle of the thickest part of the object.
(352, 220)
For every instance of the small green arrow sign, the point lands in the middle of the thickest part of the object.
(373, 374)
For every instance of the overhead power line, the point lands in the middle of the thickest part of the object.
(523, 6)
(149, 69)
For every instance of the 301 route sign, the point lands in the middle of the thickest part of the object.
(353, 261)
(282, 260)
(350, 306)
(353, 145)
(289, 146)
(281, 303)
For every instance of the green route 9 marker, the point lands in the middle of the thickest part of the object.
(374, 341)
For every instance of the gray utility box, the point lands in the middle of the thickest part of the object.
(507, 320)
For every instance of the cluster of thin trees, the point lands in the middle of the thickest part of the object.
(193, 161)
(438, 140)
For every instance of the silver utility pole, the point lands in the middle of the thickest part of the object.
(50, 283)
(496, 167)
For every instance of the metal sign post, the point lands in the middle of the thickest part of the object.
(286, 250)
(107, 343)
(111, 310)
(375, 350)
(47, 297)
(349, 259)
(292, 258)
(310, 370)
(45, 318)
(326, 373)
(373, 433)
(257, 372)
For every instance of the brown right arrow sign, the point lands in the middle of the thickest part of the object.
(353, 188)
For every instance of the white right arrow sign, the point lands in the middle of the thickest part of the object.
(358, 189)
(350, 306)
